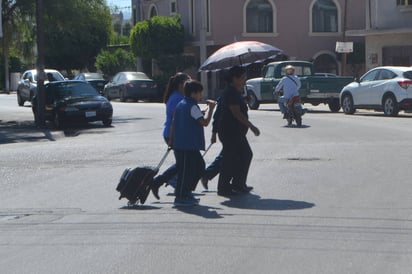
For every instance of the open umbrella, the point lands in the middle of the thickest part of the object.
(239, 53)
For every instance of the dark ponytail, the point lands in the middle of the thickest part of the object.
(173, 84)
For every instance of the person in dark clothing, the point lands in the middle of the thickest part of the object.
(187, 139)
(233, 126)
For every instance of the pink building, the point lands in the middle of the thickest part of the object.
(305, 30)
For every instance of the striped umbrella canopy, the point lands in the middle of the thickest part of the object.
(240, 53)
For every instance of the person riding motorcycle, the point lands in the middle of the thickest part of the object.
(289, 85)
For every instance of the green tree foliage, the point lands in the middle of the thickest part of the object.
(17, 22)
(159, 36)
(75, 32)
(111, 63)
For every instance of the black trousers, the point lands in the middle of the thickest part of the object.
(190, 167)
(237, 156)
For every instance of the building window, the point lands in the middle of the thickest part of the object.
(404, 2)
(153, 11)
(259, 17)
(173, 7)
(324, 16)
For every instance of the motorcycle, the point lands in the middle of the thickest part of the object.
(294, 111)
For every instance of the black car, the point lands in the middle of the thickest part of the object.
(74, 101)
(132, 85)
(94, 78)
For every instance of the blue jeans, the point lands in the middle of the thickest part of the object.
(214, 167)
(281, 103)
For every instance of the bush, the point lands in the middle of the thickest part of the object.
(111, 63)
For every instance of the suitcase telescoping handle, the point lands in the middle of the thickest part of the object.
(163, 158)
(207, 149)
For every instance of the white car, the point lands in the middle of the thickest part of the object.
(27, 86)
(387, 89)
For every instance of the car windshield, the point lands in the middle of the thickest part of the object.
(55, 76)
(408, 74)
(137, 76)
(93, 76)
(74, 90)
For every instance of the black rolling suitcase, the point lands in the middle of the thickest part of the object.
(134, 184)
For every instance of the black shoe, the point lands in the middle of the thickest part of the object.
(155, 188)
(244, 189)
(227, 194)
(204, 182)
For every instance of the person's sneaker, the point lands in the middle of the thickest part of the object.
(185, 202)
(193, 198)
(226, 194)
(204, 182)
(156, 184)
(244, 189)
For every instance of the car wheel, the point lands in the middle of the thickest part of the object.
(252, 101)
(107, 122)
(20, 100)
(334, 106)
(390, 106)
(347, 104)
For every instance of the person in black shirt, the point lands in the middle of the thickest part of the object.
(233, 126)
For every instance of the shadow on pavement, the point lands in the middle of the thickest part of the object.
(252, 201)
(27, 131)
(23, 131)
(206, 212)
(140, 207)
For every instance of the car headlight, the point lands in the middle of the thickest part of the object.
(106, 105)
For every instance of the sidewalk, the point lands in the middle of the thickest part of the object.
(17, 123)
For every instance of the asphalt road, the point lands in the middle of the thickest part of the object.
(331, 197)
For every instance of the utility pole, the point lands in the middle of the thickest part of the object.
(344, 55)
(202, 44)
(40, 64)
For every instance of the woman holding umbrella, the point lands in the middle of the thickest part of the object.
(233, 126)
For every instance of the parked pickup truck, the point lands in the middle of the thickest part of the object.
(315, 89)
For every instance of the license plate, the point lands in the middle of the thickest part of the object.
(90, 114)
(143, 85)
